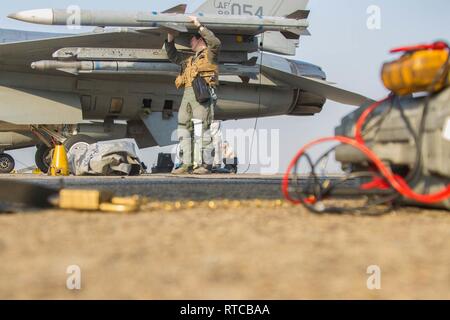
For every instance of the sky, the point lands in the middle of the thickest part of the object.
(349, 52)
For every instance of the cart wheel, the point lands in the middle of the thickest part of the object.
(7, 163)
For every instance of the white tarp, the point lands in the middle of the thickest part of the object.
(106, 158)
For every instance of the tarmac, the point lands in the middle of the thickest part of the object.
(219, 237)
(167, 187)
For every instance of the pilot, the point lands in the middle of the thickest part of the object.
(203, 63)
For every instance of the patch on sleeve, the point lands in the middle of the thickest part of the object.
(446, 132)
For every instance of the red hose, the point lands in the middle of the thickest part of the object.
(363, 119)
(396, 182)
(440, 45)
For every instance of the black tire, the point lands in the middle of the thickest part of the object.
(78, 140)
(7, 163)
(42, 158)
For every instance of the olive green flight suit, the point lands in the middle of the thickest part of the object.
(190, 108)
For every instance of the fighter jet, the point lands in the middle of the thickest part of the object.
(115, 83)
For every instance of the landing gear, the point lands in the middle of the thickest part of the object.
(7, 163)
(43, 157)
(78, 143)
(74, 144)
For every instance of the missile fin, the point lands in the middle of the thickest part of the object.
(181, 8)
(294, 34)
(290, 35)
(70, 71)
(299, 15)
(305, 32)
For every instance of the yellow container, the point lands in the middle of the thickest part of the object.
(415, 72)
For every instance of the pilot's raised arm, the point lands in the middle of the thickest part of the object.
(173, 54)
(213, 43)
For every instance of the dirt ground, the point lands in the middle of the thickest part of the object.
(249, 252)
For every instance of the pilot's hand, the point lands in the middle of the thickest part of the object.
(194, 20)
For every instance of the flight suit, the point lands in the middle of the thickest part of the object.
(205, 64)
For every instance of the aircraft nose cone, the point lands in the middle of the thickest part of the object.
(40, 16)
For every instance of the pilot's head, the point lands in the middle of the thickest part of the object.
(197, 43)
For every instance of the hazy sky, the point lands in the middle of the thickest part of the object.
(341, 43)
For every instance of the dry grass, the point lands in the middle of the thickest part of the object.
(252, 251)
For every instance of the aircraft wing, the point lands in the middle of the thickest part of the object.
(319, 87)
(40, 106)
(19, 55)
(25, 106)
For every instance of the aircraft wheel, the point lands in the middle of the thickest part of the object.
(7, 163)
(78, 143)
(43, 157)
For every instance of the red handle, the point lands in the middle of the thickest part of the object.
(434, 46)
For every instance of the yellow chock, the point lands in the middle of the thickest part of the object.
(60, 164)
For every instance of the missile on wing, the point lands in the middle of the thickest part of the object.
(77, 67)
(130, 67)
(108, 54)
(135, 55)
(295, 23)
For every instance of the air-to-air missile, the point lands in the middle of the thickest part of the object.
(128, 61)
(132, 68)
(179, 22)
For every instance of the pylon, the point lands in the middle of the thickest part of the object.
(60, 164)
